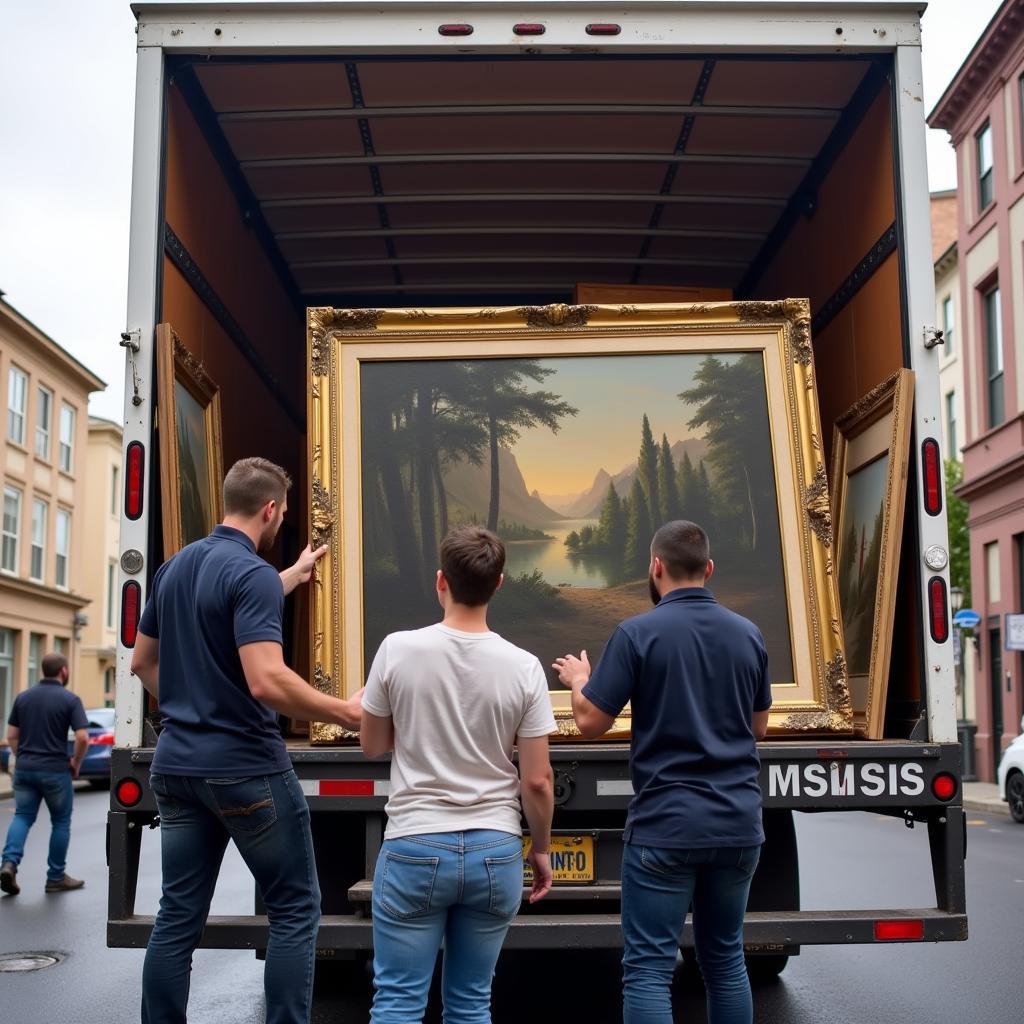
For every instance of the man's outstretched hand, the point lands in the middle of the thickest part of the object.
(302, 571)
(572, 671)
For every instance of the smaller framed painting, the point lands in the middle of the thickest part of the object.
(191, 460)
(870, 451)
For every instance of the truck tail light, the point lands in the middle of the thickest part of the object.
(131, 610)
(944, 786)
(128, 792)
(938, 613)
(134, 479)
(606, 28)
(932, 465)
(104, 739)
(455, 30)
(899, 931)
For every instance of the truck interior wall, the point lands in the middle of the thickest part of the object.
(862, 343)
(204, 214)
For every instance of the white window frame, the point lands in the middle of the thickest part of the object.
(16, 495)
(115, 480)
(44, 423)
(111, 592)
(63, 514)
(67, 444)
(38, 540)
(17, 381)
(948, 325)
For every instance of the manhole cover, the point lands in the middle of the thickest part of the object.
(11, 962)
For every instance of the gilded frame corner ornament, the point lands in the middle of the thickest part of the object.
(878, 423)
(817, 701)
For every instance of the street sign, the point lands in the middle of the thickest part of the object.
(1014, 632)
(966, 618)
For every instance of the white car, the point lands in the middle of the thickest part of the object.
(1010, 776)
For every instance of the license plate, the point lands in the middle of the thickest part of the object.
(572, 860)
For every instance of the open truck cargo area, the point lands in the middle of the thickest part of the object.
(357, 155)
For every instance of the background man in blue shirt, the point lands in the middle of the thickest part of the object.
(697, 677)
(37, 730)
(209, 647)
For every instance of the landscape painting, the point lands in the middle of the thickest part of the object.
(574, 461)
(198, 516)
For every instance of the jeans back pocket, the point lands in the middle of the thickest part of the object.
(407, 884)
(245, 805)
(505, 874)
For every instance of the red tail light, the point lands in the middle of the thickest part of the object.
(128, 792)
(131, 611)
(529, 28)
(455, 30)
(899, 931)
(134, 479)
(105, 739)
(603, 29)
(944, 786)
(938, 613)
(931, 463)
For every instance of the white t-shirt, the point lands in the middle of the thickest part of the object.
(458, 700)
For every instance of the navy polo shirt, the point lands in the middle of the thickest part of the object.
(212, 597)
(43, 715)
(695, 673)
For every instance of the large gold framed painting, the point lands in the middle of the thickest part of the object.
(573, 432)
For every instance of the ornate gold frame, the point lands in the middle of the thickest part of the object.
(340, 339)
(879, 422)
(176, 364)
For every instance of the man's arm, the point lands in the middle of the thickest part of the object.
(273, 683)
(146, 663)
(13, 732)
(760, 724)
(590, 719)
(376, 734)
(302, 570)
(81, 746)
(538, 795)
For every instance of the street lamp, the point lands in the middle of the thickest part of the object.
(956, 600)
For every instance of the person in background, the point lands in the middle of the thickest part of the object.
(37, 731)
(209, 648)
(696, 675)
(452, 700)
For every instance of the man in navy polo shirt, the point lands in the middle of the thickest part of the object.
(696, 675)
(209, 647)
(37, 730)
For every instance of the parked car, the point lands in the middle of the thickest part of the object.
(1011, 776)
(96, 766)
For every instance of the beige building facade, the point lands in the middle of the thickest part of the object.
(98, 652)
(43, 593)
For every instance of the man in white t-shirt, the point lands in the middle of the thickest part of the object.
(452, 700)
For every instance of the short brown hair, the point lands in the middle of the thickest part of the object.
(472, 560)
(52, 664)
(683, 548)
(251, 483)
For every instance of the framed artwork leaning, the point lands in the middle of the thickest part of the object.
(870, 451)
(573, 432)
(191, 453)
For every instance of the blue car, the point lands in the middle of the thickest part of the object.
(96, 765)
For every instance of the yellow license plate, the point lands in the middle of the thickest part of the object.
(572, 860)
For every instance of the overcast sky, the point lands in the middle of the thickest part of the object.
(67, 78)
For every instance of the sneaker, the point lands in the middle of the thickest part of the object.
(65, 884)
(9, 878)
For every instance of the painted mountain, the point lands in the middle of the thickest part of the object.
(469, 486)
(588, 504)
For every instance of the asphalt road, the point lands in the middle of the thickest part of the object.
(848, 860)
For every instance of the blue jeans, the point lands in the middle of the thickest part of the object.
(30, 790)
(658, 886)
(267, 818)
(462, 888)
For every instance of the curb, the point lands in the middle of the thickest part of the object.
(988, 807)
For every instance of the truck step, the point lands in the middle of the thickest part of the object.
(362, 892)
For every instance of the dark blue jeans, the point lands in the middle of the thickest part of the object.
(267, 818)
(30, 790)
(658, 886)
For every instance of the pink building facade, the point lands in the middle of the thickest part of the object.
(983, 111)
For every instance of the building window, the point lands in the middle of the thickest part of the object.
(947, 323)
(35, 656)
(109, 679)
(63, 546)
(993, 328)
(111, 594)
(60, 645)
(951, 448)
(115, 474)
(993, 587)
(44, 418)
(983, 149)
(6, 671)
(11, 529)
(38, 559)
(17, 392)
(67, 436)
